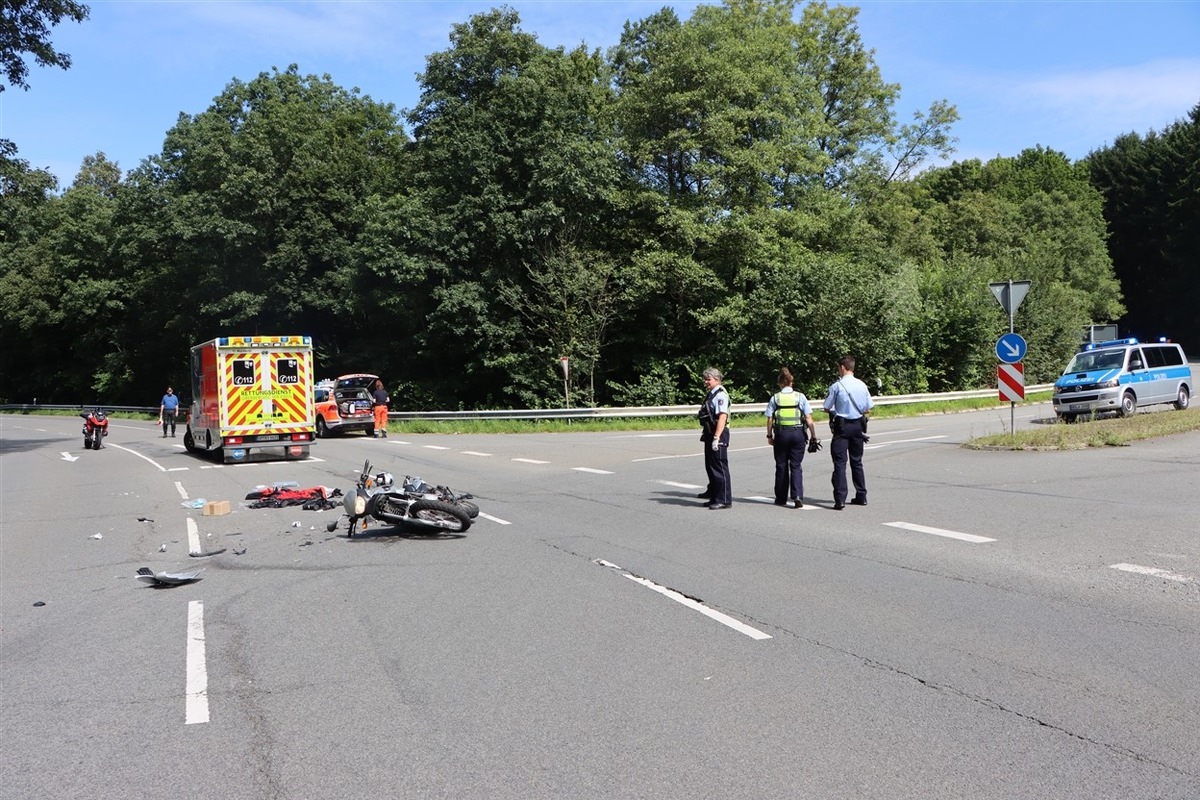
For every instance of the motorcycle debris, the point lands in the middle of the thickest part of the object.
(39, 604)
(241, 552)
(145, 519)
(167, 578)
(295, 524)
(208, 553)
(162, 548)
(96, 536)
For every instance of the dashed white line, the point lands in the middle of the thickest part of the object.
(680, 485)
(964, 537)
(193, 534)
(593, 471)
(1152, 571)
(196, 698)
(695, 605)
(900, 441)
(529, 461)
(495, 519)
(434, 447)
(182, 492)
(473, 453)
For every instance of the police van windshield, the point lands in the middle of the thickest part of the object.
(1096, 359)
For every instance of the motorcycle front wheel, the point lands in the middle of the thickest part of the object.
(437, 514)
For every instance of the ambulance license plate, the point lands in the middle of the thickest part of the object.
(270, 437)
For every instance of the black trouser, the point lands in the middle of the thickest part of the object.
(848, 444)
(169, 419)
(716, 464)
(789, 454)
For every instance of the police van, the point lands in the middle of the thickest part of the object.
(1120, 375)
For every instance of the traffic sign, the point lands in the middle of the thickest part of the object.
(1010, 294)
(1010, 379)
(1011, 347)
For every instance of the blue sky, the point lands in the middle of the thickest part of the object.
(1071, 76)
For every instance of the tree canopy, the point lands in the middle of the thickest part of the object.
(730, 189)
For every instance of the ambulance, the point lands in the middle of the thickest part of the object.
(252, 398)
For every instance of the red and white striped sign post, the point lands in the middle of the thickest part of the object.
(1010, 379)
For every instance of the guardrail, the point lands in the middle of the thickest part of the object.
(584, 413)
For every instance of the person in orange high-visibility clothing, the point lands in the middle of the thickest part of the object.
(379, 403)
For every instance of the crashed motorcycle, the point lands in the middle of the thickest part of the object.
(95, 428)
(377, 497)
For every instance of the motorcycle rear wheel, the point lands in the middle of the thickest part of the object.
(469, 507)
(438, 514)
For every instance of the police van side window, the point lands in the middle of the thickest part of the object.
(1155, 357)
(1171, 356)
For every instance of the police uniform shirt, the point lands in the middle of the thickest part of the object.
(718, 403)
(838, 398)
(804, 409)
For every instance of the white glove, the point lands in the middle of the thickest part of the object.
(716, 445)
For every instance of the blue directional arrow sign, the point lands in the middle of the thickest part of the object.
(1011, 348)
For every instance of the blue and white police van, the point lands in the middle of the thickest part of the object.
(1120, 375)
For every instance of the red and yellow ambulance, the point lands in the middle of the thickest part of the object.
(252, 398)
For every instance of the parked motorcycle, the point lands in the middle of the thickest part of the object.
(95, 428)
(377, 497)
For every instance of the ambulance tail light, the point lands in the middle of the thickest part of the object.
(301, 437)
(233, 440)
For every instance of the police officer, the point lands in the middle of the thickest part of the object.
(848, 402)
(789, 427)
(714, 419)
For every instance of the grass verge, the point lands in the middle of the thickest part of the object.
(1113, 432)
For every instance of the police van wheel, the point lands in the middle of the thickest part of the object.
(1128, 405)
(1182, 399)
(1067, 418)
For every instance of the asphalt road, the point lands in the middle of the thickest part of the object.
(992, 625)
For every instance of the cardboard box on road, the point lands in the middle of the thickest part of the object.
(216, 508)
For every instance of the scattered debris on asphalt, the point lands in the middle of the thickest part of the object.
(167, 578)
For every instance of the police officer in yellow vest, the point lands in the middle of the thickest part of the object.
(789, 426)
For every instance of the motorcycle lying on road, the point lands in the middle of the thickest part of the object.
(437, 509)
(95, 428)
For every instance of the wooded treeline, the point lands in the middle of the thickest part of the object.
(733, 189)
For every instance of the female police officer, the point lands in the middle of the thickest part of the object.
(714, 419)
(789, 427)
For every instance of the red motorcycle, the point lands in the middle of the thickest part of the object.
(95, 428)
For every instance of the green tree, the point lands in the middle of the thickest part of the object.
(1151, 190)
(25, 30)
(511, 151)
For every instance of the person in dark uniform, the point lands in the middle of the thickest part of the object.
(789, 428)
(714, 419)
(848, 402)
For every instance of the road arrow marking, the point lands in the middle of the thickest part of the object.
(69, 457)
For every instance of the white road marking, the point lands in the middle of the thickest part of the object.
(701, 453)
(193, 531)
(182, 492)
(695, 605)
(68, 457)
(397, 441)
(1153, 571)
(965, 537)
(434, 447)
(593, 471)
(495, 519)
(529, 461)
(157, 466)
(680, 485)
(758, 498)
(178, 469)
(900, 441)
(197, 670)
(473, 453)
